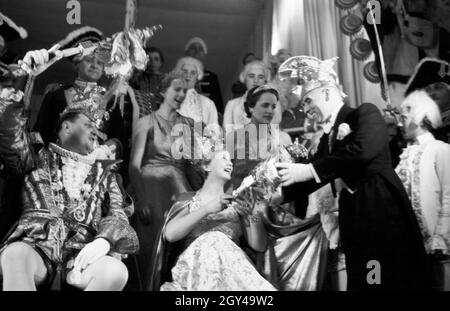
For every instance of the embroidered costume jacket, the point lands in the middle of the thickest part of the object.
(68, 199)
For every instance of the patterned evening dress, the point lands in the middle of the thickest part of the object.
(212, 258)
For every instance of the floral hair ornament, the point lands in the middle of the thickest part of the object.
(204, 148)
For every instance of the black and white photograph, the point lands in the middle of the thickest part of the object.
(224, 150)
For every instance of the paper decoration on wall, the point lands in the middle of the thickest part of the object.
(370, 72)
(350, 24)
(345, 4)
(360, 49)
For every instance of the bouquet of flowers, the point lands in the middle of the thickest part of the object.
(263, 180)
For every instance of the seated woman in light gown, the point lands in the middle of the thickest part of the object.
(208, 230)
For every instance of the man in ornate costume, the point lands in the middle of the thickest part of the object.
(75, 214)
(90, 69)
(380, 235)
(85, 88)
(9, 183)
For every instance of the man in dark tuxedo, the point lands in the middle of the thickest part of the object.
(379, 232)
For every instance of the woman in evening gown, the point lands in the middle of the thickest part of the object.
(297, 248)
(209, 231)
(156, 175)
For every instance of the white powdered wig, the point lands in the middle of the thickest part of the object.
(423, 106)
(190, 60)
(255, 63)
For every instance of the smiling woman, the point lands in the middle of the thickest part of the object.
(209, 225)
(156, 175)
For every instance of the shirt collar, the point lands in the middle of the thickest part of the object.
(425, 138)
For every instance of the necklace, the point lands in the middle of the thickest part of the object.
(87, 91)
(158, 113)
(87, 159)
(71, 172)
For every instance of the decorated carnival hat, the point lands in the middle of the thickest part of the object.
(74, 38)
(310, 72)
(428, 71)
(9, 30)
(94, 109)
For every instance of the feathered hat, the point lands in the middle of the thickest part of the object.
(428, 71)
(86, 33)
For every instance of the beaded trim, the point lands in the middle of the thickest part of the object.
(70, 154)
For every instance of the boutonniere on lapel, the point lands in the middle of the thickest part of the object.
(343, 131)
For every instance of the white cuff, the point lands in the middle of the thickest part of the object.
(314, 173)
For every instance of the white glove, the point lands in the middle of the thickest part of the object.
(36, 62)
(90, 253)
(291, 173)
(104, 152)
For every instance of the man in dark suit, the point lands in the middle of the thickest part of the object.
(379, 232)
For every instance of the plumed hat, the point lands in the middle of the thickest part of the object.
(74, 38)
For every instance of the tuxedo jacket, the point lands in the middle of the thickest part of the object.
(359, 156)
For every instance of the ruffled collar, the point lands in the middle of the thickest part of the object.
(84, 84)
(192, 93)
(87, 159)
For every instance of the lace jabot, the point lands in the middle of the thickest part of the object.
(87, 159)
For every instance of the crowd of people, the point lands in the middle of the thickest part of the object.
(95, 194)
